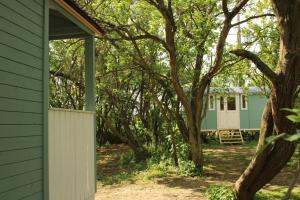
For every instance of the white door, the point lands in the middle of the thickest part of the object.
(228, 112)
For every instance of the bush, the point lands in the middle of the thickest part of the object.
(127, 159)
(220, 192)
(262, 196)
(187, 168)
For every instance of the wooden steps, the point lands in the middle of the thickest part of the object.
(231, 136)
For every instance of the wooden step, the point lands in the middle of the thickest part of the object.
(230, 137)
(239, 142)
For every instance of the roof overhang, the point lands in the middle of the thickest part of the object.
(68, 20)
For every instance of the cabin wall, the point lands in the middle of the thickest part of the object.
(250, 118)
(22, 66)
(209, 122)
(256, 106)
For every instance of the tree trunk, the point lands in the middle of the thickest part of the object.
(196, 149)
(268, 163)
(174, 153)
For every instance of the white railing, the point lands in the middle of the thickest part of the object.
(71, 155)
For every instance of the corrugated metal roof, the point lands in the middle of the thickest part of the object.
(237, 90)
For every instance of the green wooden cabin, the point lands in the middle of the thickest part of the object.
(26, 26)
(234, 108)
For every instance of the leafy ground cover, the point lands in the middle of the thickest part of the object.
(119, 177)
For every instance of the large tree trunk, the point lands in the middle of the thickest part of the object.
(268, 163)
(196, 149)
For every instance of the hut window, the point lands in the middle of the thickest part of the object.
(221, 103)
(244, 102)
(211, 102)
(231, 105)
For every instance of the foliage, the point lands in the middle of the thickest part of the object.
(220, 192)
(66, 74)
(260, 36)
(262, 196)
(187, 168)
(128, 159)
(158, 170)
(276, 194)
(295, 117)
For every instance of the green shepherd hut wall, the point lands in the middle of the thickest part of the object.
(23, 94)
(250, 118)
(209, 122)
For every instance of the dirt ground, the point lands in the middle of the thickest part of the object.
(147, 191)
(224, 164)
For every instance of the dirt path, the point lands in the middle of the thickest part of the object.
(147, 191)
(224, 164)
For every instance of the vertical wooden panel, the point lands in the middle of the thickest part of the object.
(90, 92)
(71, 155)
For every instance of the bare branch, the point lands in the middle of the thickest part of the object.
(253, 17)
(263, 67)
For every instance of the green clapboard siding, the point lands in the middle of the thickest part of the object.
(34, 6)
(28, 191)
(18, 31)
(14, 105)
(19, 17)
(18, 156)
(20, 168)
(18, 68)
(23, 10)
(210, 120)
(14, 182)
(15, 92)
(250, 118)
(22, 39)
(244, 119)
(35, 196)
(256, 106)
(8, 131)
(20, 44)
(8, 144)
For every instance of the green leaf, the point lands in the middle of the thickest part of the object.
(292, 138)
(294, 118)
(273, 138)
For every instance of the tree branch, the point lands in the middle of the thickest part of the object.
(225, 8)
(238, 7)
(263, 67)
(253, 17)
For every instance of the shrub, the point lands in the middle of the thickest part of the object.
(127, 159)
(187, 168)
(220, 192)
(262, 196)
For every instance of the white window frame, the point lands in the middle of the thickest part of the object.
(214, 102)
(246, 102)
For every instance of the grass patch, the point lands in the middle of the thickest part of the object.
(160, 170)
(277, 193)
(220, 192)
(123, 168)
